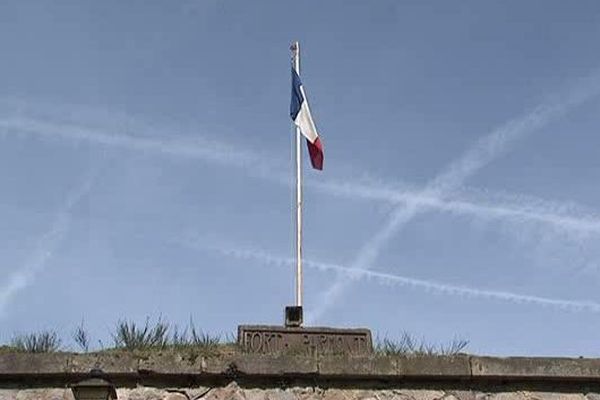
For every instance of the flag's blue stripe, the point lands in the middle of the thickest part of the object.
(297, 98)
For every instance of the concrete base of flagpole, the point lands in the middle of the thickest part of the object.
(293, 316)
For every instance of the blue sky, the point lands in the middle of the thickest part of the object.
(146, 167)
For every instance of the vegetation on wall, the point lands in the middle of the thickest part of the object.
(160, 335)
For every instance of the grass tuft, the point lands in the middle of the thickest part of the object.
(192, 338)
(160, 335)
(82, 338)
(130, 336)
(38, 342)
(409, 345)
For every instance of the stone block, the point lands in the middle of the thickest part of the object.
(197, 392)
(535, 368)
(216, 365)
(229, 392)
(434, 366)
(281, 394)
(506, 396)
(257, 394)
(335, 394)
(419, 394)
(307, 393)
(109, 363)
(265, 339)
(554, 396)
(367, 367)
(175, 396)
(169, 363)
(259, 365)
(8, 394)
(30, 364)
(141, 393)
(461, 395)
(38, 394)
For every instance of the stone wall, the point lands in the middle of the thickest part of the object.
(173, 376)
(234, 392)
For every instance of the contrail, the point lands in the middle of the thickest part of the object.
(45, 248)
(535, 210)
(354, 273)
(566, 217)
(453, 176)
(200, 148)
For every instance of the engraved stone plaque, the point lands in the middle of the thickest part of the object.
(261, 339)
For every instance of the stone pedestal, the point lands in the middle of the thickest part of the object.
(264, 339)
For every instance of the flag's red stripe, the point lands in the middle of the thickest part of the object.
(316, 153)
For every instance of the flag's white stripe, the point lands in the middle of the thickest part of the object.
(304, 120)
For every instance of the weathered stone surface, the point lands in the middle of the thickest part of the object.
(197, 392)
(307, 393)
(232, 365)
(358, 366)
(554, 396)
(508, 396)
(462, 394)
(170, 363)
(230, 392)
(36, 394)
(268, 377)
(259, 365)
(451, 396)
(523, 367)
(26, 363)
(335, 394)
(233, 391)
(419, 394)
(176, 396)
(141, 393)
(281, 394)
(256, 394)
(423, 366)
(8, 394)
(118, 362)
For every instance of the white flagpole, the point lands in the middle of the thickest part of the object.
(296, 62)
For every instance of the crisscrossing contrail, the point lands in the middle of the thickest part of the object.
(561, 216)
(452, 177)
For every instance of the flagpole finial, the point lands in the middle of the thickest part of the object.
(295, 48)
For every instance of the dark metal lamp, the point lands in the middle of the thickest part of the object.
(94, 388)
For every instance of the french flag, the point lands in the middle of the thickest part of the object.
(300, 113)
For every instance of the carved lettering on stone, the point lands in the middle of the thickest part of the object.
(304, 341)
